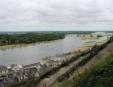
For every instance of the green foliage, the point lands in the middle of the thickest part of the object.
(7, 39)
(100, 75)
(16, 84)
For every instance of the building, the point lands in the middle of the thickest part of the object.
(3, 70)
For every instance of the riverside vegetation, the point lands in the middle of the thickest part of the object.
(33, 37)
(9, 39)
(33, 81)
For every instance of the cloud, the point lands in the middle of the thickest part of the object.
(56, 15)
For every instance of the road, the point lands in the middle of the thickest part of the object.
(50, 81)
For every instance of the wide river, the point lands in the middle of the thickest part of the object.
(35, 52)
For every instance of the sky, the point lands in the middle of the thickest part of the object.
(52, 15)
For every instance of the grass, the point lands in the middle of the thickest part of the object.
(99, 75)
(101, 42)
(87, 37)
(91, 42)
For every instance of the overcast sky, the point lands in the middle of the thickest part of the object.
(23, 15)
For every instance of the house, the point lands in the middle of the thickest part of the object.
(41, 68)
(1, 82)
(53, 63)
(15, 67)
(10, 79)
(19, 75)
(3, 70)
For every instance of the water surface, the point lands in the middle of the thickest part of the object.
(35, 52)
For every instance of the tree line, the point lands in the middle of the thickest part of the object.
(8, 39)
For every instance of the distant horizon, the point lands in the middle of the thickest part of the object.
(59, 30)
(23, 30)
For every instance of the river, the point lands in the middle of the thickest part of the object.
(35, 52)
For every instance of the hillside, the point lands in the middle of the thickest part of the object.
(96, 73)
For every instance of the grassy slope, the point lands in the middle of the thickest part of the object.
(100, 75)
